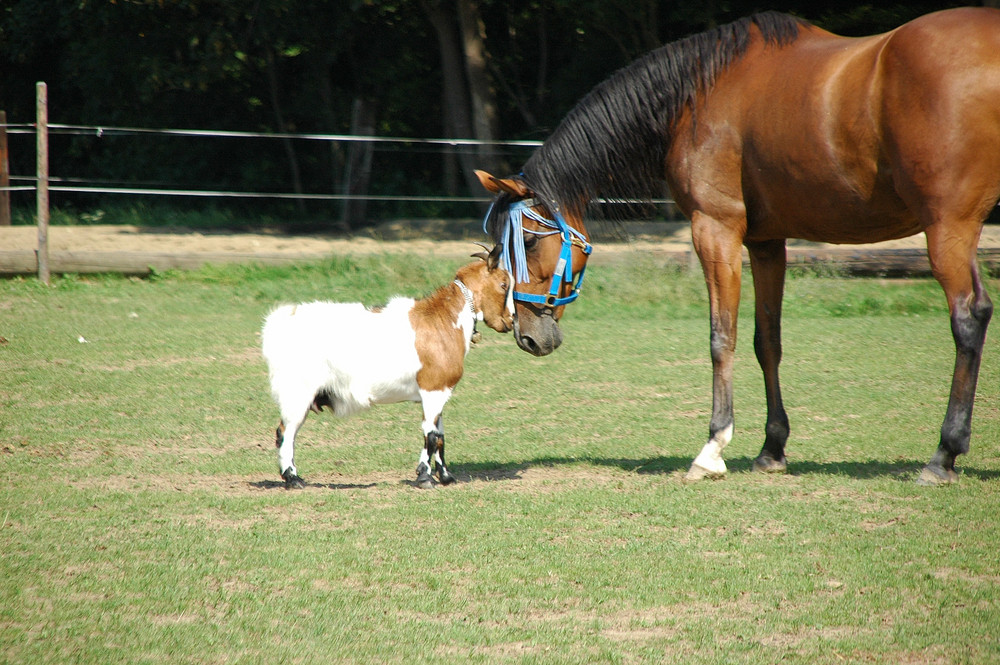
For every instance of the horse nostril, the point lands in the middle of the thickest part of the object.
(528, 344)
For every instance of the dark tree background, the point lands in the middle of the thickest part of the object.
(485, 69)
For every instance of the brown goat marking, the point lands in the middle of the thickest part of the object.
(440, 344)
(489, 293)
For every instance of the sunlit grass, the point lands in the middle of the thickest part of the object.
(142, 518)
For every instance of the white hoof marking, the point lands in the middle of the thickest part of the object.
(709, 462)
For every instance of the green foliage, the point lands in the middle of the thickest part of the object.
(299, 66)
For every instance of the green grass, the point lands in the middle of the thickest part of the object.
(141, 518)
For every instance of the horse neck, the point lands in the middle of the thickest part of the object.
(614, 142)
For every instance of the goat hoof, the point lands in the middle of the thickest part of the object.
(292, 481)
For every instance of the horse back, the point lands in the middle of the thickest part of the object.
(849, 139)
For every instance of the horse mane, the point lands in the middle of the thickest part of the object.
(613, 143)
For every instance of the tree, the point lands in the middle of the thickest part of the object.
(500, 70)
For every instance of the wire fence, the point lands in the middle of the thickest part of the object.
(96, 186)
(353, 193)
(26, 183)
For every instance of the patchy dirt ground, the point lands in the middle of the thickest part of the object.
(427, 238)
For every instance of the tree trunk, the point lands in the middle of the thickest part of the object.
(293, 162)
(358, 170)
(324, 90)
(4, 173)
(485, 121)
(455, 92)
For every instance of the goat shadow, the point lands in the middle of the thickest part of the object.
(268, 485)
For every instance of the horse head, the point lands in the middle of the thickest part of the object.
(544, 251)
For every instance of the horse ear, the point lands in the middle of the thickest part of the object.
(488, 182)
(496, 185)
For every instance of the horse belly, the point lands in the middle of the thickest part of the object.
(828, 214)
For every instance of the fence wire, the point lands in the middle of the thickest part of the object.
(105, 131)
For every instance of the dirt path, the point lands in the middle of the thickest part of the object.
(87, 248)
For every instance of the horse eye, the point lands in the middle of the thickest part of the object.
(530, 240)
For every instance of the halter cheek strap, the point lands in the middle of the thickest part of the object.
(513, 243)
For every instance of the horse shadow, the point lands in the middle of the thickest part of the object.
(903, 470)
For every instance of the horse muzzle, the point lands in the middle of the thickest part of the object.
(540, 337)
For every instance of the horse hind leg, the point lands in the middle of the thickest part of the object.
(768, 262)
(953, 261)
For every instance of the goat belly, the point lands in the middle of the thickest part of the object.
(355, 356)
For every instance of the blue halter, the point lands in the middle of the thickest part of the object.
(513, 243)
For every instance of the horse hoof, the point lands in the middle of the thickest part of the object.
(447, 479)
(698, 472)
(425, 482)
(767, 464)
(930, 477)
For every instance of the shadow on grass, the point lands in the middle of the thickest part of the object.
(903, 470)
(268, 485)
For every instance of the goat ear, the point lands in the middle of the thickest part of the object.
(495, 185)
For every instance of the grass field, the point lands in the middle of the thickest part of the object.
(142, 519)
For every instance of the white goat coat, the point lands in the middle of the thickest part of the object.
(357, 356)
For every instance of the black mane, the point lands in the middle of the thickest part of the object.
(613, 142)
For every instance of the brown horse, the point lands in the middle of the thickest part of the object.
(766, 129)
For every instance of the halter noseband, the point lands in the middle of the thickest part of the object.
(514, 240)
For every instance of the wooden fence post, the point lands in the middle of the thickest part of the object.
(4, 173)
(42, 182)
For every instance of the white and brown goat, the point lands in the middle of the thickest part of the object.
(347, 357)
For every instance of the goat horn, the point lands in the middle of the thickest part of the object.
(481, 255)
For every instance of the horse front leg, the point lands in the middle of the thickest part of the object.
(719, 251)
(971, 310)
(768, 261)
